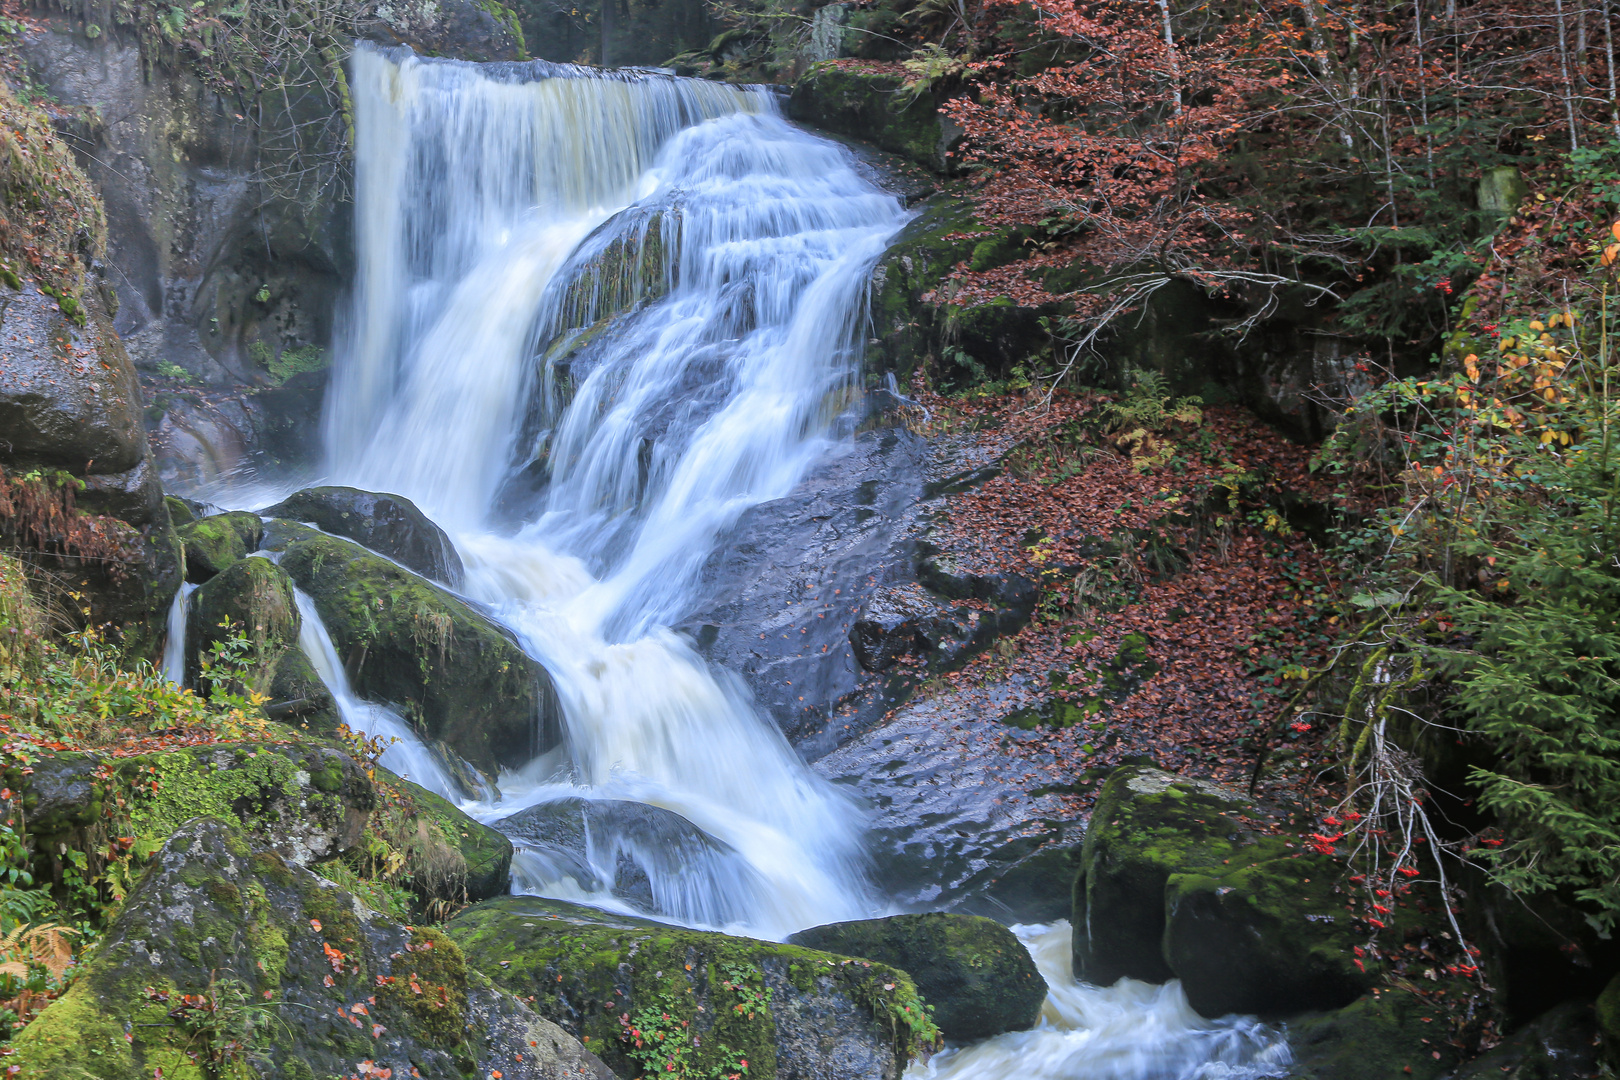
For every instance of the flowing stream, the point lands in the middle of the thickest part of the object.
(597, 315)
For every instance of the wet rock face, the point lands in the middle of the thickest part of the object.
(822, 601)
(321, 982)
(404, 640)
(979, 978)
(804, 1015)
(390, 525)
(862, 104)
(636, 842)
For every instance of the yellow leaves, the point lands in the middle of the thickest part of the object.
(1471, 367)
(1537, 325)
(1610, 254)
(1614, 230)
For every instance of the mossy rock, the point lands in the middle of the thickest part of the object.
(213, 543)
(1561, 1044)
(460, 678)
(787, 1010)
(255, 597)
(1271, 938)
(325, 982)
(179, 512)
(960, 345)
(976, 974)
(390, 525)
(1146, 825)
(1608, 1020)
(873, 106)
(1379, 1036)
(448, 855)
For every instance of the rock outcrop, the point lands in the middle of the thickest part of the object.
(390, 525)
(460, 678)
(1175, 883)
(978, 978)
(214, 543)
(223, 935)
(448, 855)
(643, 995)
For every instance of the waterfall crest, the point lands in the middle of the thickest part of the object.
(641, 296)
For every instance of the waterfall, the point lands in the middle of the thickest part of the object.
(406, 755)
(174, 645)
(648, 292)
(1130, 1031)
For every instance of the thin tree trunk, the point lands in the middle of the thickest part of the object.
(1608, 41)
(1170, 51)
(1569, 87)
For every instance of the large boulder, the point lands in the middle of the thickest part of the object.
(448, 855)
(1175, 882)
(977, 976)
(390, 525)
(213, 543)
(646, 996)
(252, 603)
(85, 502)
(460, 678)
(225, 936)
(1377, 1037)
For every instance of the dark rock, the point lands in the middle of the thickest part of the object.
(216, 542)
(1607, 1013)
(825, 1017)
(59, 407)
(460, 678)
(256, 597)
(465, 29)
(219, 917)
(1538, 948)
(624, 846)
(1267, 938)
(978, 977)
(387, 524)
(1377, 1037)
(1145, 826)
(449, 856)
(863, 105)
(958, 829)
(180, 512)
(1561, 1044)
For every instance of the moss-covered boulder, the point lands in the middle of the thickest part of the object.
(1271, 937)
(250, 606)
(1561, 1044)
(448, 856)
(869, 102)
(644, 996)
(310, 982)
(1145, 826)
(1377, 1037)
(390, 525)
(213, 543)
(308, 802)
(977, 976)
(460, 678)
(1608, 1020)
(1175, 883)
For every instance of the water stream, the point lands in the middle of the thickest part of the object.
(597, 315)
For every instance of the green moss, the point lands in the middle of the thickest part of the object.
(872, 107)
(214, 543)
(173, 788)
(75, 1038)
(586, 974)
(179, 512)
(429, 983)
(1608, 1019)
(455, 674)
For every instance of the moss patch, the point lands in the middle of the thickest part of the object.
(216, 542)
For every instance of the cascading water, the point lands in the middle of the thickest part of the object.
(510, 211)
(174, 648)
(689, 270)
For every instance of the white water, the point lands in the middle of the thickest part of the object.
(174, 646)
(1130, 1031)
(406, 755)
(475, 189)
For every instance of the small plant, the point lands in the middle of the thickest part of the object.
(174, 371)
(226, 1030)
(1143, 413)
